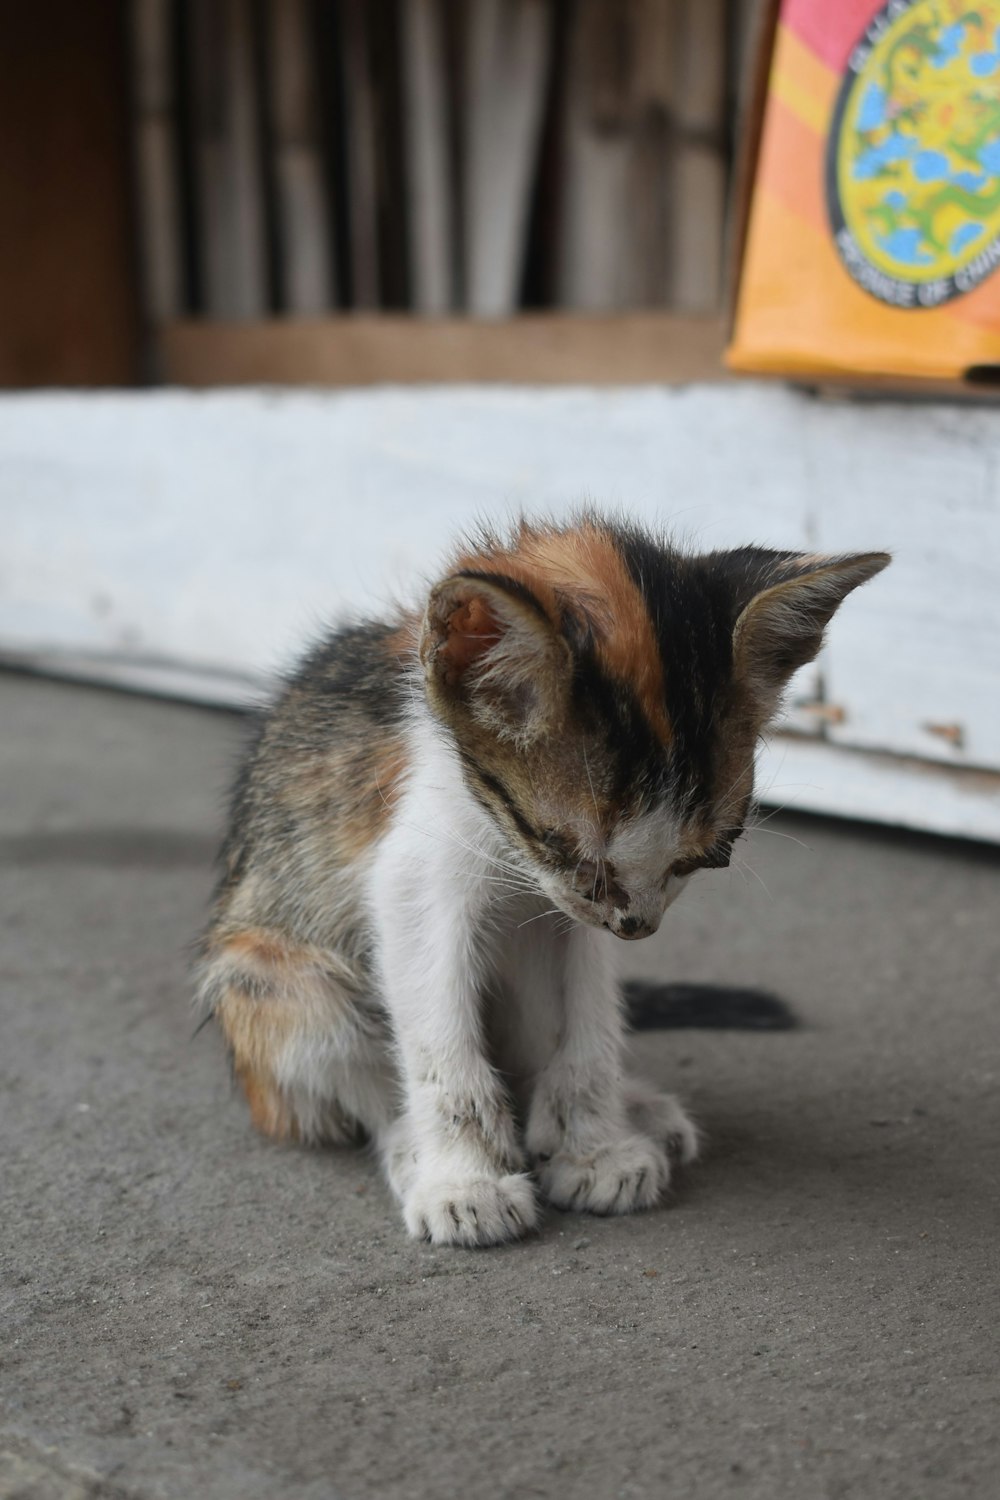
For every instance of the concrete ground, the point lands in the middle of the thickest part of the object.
(189, 1311)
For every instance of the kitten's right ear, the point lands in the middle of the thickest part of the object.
(487, 644)
(782, 626)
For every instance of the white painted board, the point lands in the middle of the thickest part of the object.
(218, 532)
(922, 648)
(224, 529)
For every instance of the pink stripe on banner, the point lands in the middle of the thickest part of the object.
(829, 30)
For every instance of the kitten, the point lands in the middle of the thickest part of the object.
(447, 819)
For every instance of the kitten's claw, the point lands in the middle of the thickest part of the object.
(619, 1178)
(483, 1211)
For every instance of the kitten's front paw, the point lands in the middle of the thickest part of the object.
(618, 1178)
(663, 1118)
(480, 1211)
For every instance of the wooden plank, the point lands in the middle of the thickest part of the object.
(653, 175)
(156, 162)
(644, 181)
(68, 296)
(595, 259)
(230, 217)
(535, 348)
(307, 258)
(698, 228)
(507, 68)
(429, 177)
(362, 168)
(245, 269)
(700, 94)
(392, 200)
(747, 20)
(700, 180)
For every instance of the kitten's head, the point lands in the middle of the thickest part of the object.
(606, 694)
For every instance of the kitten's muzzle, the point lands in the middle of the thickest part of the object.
(628, 916)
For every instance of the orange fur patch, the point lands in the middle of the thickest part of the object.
(256, 1032)
(260, 948)
(364, 821)
(584, 566)
(269, 1110)
(258, 1029)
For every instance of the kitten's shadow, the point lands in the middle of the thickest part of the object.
(663, 1007)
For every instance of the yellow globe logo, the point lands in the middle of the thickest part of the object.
(913, 157)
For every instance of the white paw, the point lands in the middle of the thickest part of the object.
(478, 1211)
(625, 1175)
(662, 1118)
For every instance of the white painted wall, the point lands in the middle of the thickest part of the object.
(221, 528)
(219, 531)
(923, 647)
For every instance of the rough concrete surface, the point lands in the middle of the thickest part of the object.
(188, 1310)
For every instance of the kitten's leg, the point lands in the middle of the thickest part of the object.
(453, 1158)
(590, 1152)
(311, 1061)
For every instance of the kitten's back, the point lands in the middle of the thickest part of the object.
(318, 782)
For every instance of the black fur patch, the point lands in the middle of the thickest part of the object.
(690, 606)
(507, 586)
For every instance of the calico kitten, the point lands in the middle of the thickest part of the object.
(446, 819)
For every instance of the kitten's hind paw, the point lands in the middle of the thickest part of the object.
(480, 1211)
(662, 1118)
(618, 1178)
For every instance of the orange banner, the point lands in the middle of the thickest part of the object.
(873, 241)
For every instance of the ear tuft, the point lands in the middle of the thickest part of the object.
(489, 649)
(468, 630)
(781, 628)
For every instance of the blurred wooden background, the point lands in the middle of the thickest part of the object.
(254, 161)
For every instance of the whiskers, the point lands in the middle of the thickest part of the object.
(745, 868)
(757, 822)
(566, 925)
(503, 873)
(776, 833)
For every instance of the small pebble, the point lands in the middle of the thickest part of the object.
(581, 1244)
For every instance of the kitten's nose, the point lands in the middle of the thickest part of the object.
(632, 928)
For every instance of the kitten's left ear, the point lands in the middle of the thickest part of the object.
(782, 626)
(489, 650)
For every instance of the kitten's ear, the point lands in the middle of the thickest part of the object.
(781, 628)
(487, 643)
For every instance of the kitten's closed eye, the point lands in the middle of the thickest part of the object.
(715, 858)
(558, 851)
(557, 844)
